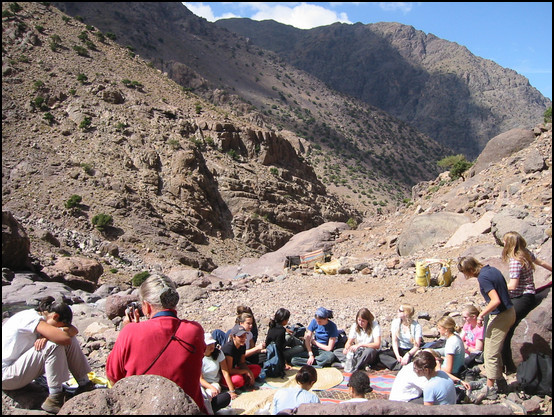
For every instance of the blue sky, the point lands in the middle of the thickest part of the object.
(514, 35)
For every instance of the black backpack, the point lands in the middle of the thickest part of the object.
(534, 375)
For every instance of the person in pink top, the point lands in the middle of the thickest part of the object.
(472, 334)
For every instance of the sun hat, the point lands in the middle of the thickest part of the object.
(208, 339)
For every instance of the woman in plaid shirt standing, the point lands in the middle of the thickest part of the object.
(521, 285)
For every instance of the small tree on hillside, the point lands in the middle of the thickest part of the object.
(457, 165)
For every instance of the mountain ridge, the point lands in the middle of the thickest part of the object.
(414, 76)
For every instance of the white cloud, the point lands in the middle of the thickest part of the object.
(404, 7)
(302, 16)
(202, 10)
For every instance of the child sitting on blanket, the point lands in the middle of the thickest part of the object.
(358, 387)
(290, 398)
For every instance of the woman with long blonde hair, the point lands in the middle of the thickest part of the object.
(453, 351)
(521, 284)
(406, 335)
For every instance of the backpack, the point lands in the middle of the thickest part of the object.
(534, 375)
(274, 365)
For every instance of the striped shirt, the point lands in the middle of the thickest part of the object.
(526, 284)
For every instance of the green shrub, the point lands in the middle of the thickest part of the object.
(139, 278)
(101, 221)
(81, 51)
(459, 168)
(85, 124)
(457, 164)
(352, 223)
(48, 117)
(73, 201)
(548, 115)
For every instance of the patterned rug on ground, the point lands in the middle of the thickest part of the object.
(380, 382)
(330, 387)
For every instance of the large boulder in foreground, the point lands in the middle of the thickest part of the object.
(140, 394)
(386, 407)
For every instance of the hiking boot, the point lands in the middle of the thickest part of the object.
(53, 403)
(89, 386)
(477, 396)
(492, 393)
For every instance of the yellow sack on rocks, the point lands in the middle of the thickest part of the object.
(423, 272)
(328, 268)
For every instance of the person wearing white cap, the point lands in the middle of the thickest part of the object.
(213, 365)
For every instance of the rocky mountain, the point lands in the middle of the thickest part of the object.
(357, 150)
(437, 86)
(91, 128)
(94, 134)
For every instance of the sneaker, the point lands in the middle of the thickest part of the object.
(477, 396)
(338, 365)
(89, 386)
(53, 403)
(492, 393)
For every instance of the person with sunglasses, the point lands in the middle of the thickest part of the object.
(162, 344)
(406, 335)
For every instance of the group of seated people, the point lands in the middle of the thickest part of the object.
(41, 341)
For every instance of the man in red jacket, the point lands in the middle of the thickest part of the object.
(162, 345)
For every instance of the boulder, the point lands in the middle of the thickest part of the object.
(426, 230)
(15, 244)
(140, 394)
(116, 304)
(386, 407)
(519, 220)
(534, 333)
(77, 272)
(467, 230)
(500, 147)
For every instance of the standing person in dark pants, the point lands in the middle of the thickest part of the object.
(502, 316)
(521, 285)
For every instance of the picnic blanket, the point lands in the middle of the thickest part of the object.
(381, 384)
(260, 396)
(331, 386)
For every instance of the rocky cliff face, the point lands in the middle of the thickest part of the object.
(184, 182)
(357, 150)
(440, 87)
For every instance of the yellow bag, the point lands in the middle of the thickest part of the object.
(98, 380)
(329, 268)
(423, 272)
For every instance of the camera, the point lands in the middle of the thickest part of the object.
(131, 307)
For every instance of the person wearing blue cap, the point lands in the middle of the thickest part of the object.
(319, 341)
